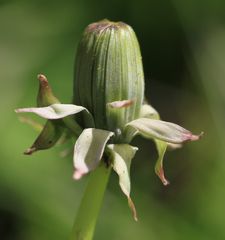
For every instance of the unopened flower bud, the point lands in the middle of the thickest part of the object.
(109, 79)
(108, 101)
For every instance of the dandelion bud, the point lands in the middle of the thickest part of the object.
(109, 79)
(108, 97)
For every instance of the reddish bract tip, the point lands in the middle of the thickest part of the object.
(43, 80)
(133, 209)
(162, 177)
(29, 151)
(42, 77)
(77, 175)
(192, 137)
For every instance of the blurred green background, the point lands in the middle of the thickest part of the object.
(183, 47)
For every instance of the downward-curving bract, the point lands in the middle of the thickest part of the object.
(108, 108)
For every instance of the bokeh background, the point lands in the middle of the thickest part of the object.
(183, 47)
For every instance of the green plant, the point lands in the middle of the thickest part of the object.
(108, 111)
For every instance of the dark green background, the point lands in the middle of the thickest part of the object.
(183, 48)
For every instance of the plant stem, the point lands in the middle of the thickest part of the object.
(84, 225)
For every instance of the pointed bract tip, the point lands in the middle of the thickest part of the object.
(77, 175)
(21, 110)
(133, 209)
(162, 177)
(43, 80)
(165, 182)
(29, 151)
(192, 137)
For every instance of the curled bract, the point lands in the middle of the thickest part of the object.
(108, 108)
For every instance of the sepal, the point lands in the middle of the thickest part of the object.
(48, 137)
(45, 95)
(88, 150)
(161, 149)
(54, 111)
(122, 154)
(161, 130)
(147, 111)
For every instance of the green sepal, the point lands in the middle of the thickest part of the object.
(54, 111)
(147, 111)
(88, 150)
(48, 137)
(161, 149)
(121, 155)
(45, 95)
(61, 111)
(161, 130)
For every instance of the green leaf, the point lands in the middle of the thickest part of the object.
(54, 111)
(165, 131)
(122, 155)
(161, 149)
(89, 149)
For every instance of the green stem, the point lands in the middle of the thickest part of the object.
(84, 225)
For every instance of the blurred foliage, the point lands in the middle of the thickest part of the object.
(184, 58)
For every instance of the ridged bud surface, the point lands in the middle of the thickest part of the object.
(109, 68)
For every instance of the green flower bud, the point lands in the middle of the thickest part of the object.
(108, 94)
(109, 79)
